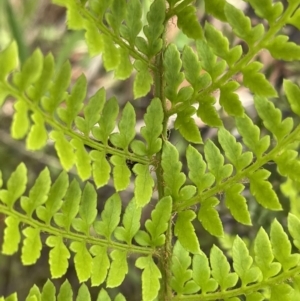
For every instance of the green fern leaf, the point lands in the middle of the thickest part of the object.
(220, 45)
(294, 227)
(250, 134)
(107, 121)
(282, 247)
(185, 231)
(242, 25)
(100, 265)
(101, 168)
(242, 263)
(48, 292)
(264, 256)
(266, 9)
(111, 54)
(34, 294)
(31, 71)
(150, 277)
(87, 210)
(230, 101)
(143, 185)
(216, 8)
(292, 92)
(173, 176)
(201, 274)
(38, 135)
(215, 162)
(236, 203)
(182, 275)
(126, 128)
(37, 91)
(151, 132)
(110, 217)
(186, 125)
(143, 238)
(92, 112)
(209, 60)
(262, 190)
(124, 70)
(58, 256)
(64, 149)
(221, 269)
(256, 81)
(130, 221)
(70, 207)
(159, 221)
(93, 38)
(255, 297)
(272, 118)
(54, 201)
(32, 246)
(82, 159)
(173, 75)
(208, 113)
(83, 293)
(20, 124)
(74, 19)
(82, 260)
(143, 80)
(295, 19)
(233, 150)
(117, 14)
(8, 60)
(65, 292)
(57, 92)
(197, 170)
(38, 193)
(12, 236)
(121, 173)
(288, 165)
(133, 21)
(209, 217)
(103, 296)
(283, 50)
(16, 186)
(189, 24)
(118, 268)
(280, 292)
(74, 102)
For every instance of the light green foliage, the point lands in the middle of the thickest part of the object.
(159, 207)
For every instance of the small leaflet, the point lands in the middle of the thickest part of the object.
(101, 168)
(243, 263)
(82, 260)
(117, 14)
(182, 281)
(58, 256)
(210, 218)
(83, 293)
(93, 38)
(197, 170)
(130, 223)
(16, 186)
(185, 231)
(237, 204)
(272, 118)
(9, 60)
(49, 291)
(202, 274)
(288, 165)
(12, 236)
(110, 217)
(38, 193)
(208, 113)
(111, 54)
(118, 268)
(20, 123)
(292, 92)
(143, 80)
(216, 9)
(31, 71)
(121, 172)
(294, 229)
(257, 82)
(124, 70)
(143, 185)
(65, 292)
(282, 247)
(173, 176)
(221, 269)
(159, 222)
(150, 277)
(32, 246)
(264, 255)
(100, 265)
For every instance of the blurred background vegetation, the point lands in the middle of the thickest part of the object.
(38, 23)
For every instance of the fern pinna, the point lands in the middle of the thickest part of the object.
(165, 247)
